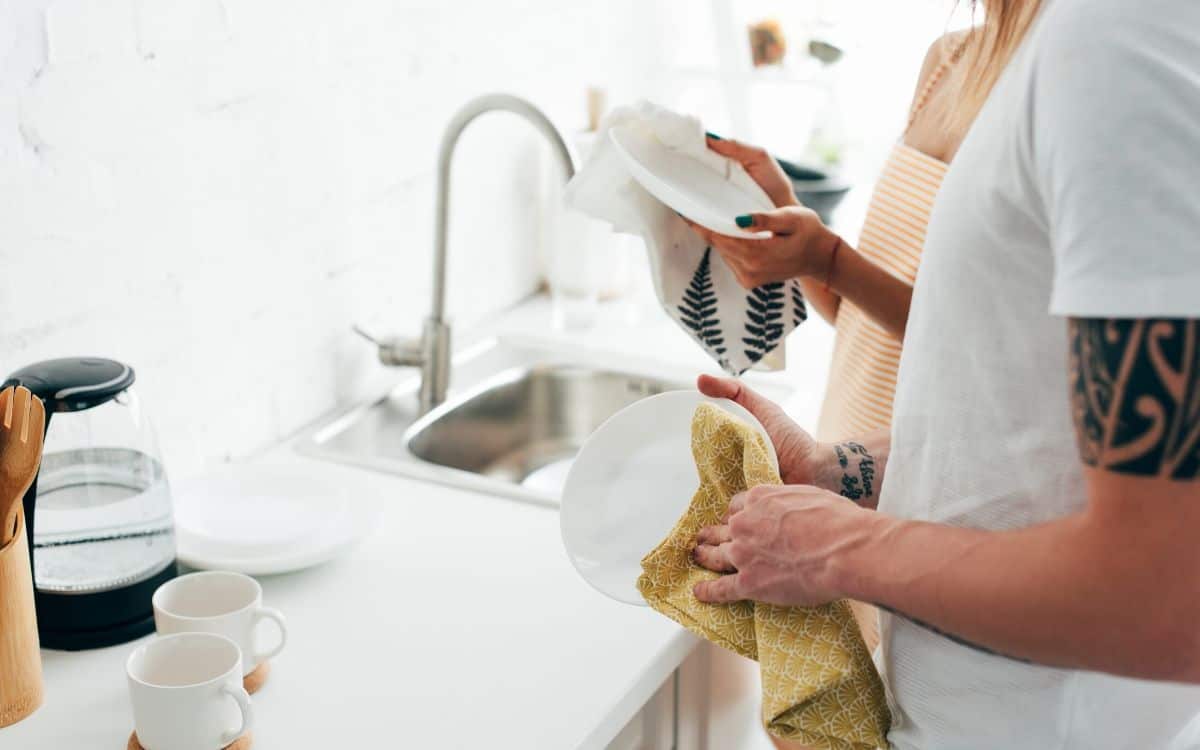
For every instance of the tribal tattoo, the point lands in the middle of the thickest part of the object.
(1136, 395)
(857, 483)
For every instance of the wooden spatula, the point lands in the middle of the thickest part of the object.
(22, 424)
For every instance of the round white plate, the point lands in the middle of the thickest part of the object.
(629, 485)
(686, 185)
(262, 520)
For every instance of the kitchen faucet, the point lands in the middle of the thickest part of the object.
(431, 352)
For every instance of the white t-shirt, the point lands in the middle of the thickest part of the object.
(1076, 193)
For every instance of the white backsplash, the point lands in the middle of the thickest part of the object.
(214, 191)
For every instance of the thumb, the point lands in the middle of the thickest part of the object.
(778, 221)
(738, 392)
(736, 150)
(715, 387)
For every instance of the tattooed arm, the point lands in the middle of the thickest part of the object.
(853, 469)
(1113, 588)
(1136, 398)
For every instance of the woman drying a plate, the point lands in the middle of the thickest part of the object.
(865, 291)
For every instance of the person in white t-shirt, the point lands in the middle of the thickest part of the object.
(1032, 522)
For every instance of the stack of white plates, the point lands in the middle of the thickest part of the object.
(262, 519)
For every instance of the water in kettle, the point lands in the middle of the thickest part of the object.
(103, 520)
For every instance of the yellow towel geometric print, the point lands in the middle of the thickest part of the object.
(819, 684)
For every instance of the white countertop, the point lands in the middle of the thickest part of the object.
(458, 623)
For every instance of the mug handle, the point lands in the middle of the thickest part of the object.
(270, 613)
(239, 694)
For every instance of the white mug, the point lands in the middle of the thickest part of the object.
(187, 693)
(228, 604)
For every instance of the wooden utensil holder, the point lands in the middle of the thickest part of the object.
(20, 655)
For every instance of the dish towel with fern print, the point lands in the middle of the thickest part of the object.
(738, 328)
(819, 685)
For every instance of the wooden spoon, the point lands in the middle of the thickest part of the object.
(22, 425)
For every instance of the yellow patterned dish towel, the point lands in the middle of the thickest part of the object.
(819, 684)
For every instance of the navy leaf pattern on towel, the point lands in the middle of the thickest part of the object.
(764, 320)
(799, 307)
(699, 309)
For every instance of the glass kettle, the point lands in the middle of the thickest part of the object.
(99, 513)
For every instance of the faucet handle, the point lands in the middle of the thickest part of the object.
(362, 332)
(395, 351)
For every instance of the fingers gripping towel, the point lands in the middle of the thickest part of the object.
(738, 328)
(819, 684)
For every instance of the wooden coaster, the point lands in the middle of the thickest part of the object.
(242, 743)
(253, 682)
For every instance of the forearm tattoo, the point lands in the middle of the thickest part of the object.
(1135, 395)
(858, 481)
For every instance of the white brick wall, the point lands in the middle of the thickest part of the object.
(213, 191)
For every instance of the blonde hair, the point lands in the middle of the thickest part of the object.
(988, 48)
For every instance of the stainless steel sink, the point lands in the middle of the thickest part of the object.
(525, 426)
(514, 420)
(515, 416)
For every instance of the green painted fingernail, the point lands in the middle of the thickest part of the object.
(745, 220)
(714, 136)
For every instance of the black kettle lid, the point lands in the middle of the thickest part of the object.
(74, 383)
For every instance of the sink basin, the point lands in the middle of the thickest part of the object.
(514, 419)
(515, 416)
(526, 425)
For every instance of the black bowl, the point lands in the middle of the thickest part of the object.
(816, 188)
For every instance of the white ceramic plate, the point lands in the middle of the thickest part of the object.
(263, 520)
(686, 185)
(631, 482)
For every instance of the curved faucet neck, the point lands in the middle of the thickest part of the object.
(434, 354)
(464, 117)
